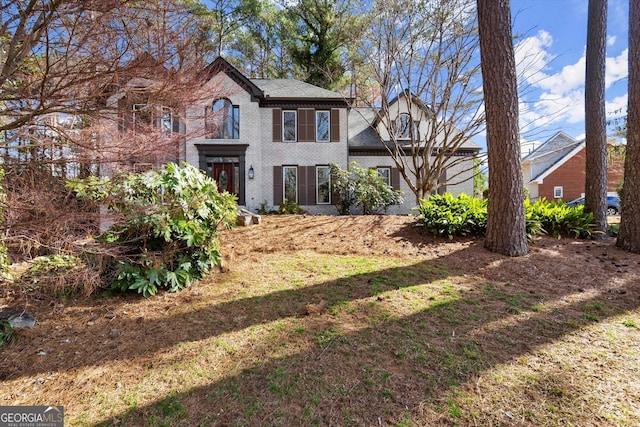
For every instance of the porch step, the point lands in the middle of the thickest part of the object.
(246, 218)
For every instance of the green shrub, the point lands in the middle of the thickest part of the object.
(165, 234)
(288, 207)
(446, 215)
(360, 187)
(559, 219)
(7, 333)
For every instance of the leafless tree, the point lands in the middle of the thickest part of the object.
(86, 85)
(426, 53)
(506, 232)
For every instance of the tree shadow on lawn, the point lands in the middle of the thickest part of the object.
(351, 365)
(392, 370)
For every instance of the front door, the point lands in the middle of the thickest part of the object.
(214, 159)
(223, 175)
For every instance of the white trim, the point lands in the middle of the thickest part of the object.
(556, 192)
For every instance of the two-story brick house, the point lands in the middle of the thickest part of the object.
(271, 140)
(268, 140)
(557, 169)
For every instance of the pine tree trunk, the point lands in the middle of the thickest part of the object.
(506, 231)
(629, 237)
(595, 118)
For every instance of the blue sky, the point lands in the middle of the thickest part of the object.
(550, 57)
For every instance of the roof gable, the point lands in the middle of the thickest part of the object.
(552, 154)
(220, 65)
(275, 91)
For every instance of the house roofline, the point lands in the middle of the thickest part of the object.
(540, 178)
(222, 65)
(288, 102)
(532, 155)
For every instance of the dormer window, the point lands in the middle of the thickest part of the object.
(402, 127)
(222, 120)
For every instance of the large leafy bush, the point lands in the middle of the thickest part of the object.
(165, 229)
(559, 219)
(363, 188)
(446, 215)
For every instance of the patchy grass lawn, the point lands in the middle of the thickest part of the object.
(348, 321)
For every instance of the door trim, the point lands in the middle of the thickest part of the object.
(206, 151)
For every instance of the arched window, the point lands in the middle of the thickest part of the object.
(403, 127)
(222, 120)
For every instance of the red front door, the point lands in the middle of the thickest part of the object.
(223, 175)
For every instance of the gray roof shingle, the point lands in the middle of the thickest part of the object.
(291, 89)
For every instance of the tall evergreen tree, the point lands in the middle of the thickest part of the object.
(595, 116)
(629, 237)
(325, 29)
(262, 46)
(506, 231)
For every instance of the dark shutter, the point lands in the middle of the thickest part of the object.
(277, 125)
(277, 185)
(311, 185)
(302, 185)
(335, 125)
(306, 125)
(306, 185)
(395, 178)
(335, 196)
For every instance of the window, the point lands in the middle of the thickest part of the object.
(402, 127)
(385, 173)
(289, 126)
(322, 126)
(557, 192)
(323, 185)
(166, 121)
(290, 183)
(142, 116)
(222, 120)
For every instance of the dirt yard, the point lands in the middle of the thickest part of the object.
(127, 358)
(584, 262)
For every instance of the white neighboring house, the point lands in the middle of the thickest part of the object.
(271, 140)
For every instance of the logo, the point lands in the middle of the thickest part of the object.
(31, 416)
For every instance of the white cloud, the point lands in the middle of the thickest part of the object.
(617, 68)
(532, 57)
(617, 107)
(551, 98)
